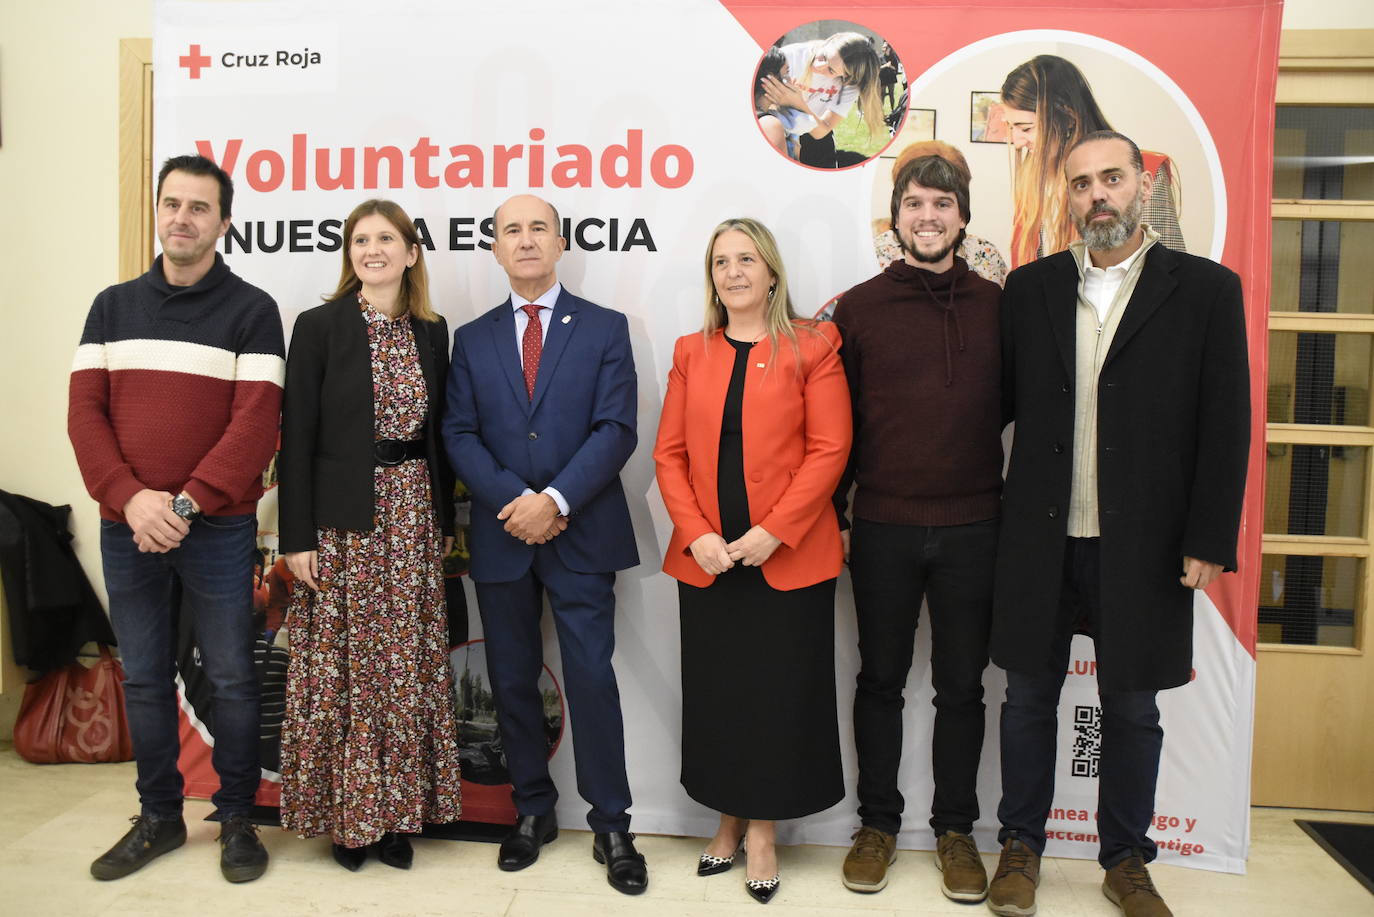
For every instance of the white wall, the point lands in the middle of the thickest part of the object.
(1328, 14)
(59, 196)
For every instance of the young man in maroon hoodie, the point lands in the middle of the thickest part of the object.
(922, 354)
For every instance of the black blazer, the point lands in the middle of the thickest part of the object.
(1173, 426)
(326, 465)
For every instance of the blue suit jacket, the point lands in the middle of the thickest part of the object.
(574, 435)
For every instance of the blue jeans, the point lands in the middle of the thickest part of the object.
(893, 568)
(1132, 738)
(211, 573)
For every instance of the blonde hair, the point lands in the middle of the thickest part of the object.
(780, 318)
(1065, 111)
(414, 295)
(861, 66)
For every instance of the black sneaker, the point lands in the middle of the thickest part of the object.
(242, 858)
(148, 839)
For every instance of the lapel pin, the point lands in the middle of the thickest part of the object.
(759, 365)
(566, 319)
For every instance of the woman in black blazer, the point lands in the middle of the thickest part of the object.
(369, 744)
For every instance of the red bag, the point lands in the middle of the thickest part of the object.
(75, 714)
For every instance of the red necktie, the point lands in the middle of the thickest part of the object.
(532, 346)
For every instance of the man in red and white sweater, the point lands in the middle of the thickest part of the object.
(173, 412)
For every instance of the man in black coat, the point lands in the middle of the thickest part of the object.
(1125, 370)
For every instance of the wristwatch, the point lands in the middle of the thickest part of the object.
(183, 507)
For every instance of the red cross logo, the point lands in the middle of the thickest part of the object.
(194, 61)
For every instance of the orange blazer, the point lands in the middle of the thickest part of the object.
(797, 432)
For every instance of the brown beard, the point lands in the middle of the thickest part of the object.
(929, 259)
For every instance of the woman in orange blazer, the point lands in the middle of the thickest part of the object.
(754, 436)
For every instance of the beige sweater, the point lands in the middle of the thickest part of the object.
(1093, 342)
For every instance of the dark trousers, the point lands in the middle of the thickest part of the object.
(893, 567)
(1128, 765)
(212, 573)
(584, 615)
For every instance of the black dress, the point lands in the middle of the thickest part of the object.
(759, 734)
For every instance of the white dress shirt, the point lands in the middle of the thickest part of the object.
(1101, 284)
(546, 301)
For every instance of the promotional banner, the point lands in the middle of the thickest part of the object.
(647, 124)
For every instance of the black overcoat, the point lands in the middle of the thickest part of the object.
(1173, 423)
(325, 469)
(53, 610)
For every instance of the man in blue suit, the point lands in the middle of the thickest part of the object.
(539, 422)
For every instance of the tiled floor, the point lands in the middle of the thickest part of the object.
(57, 818)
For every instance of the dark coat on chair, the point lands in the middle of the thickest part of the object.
(53, 610)
(1173, 420)
(325, 469)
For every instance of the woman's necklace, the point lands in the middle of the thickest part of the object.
(758, 337)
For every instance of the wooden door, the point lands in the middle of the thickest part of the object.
(1314, 710)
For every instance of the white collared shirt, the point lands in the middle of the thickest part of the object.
(546, 301)
(1100, 284)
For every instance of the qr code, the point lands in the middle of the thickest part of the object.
(1087, 740)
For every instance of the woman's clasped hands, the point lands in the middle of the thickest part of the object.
(752, 549)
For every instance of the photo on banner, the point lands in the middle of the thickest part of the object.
(826, 94)
(1017, 188)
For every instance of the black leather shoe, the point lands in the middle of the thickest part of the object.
(242, 858)
(521, 846)
(148, 839)
(350, 858)
(395, 850)
(708, 865)
(625, 867)
(762, 890)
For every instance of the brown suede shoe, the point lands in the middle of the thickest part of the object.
(865, 868)
(1128, 886)
(964, 877)
(1012, 892)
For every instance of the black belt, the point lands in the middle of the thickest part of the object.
(390, 452)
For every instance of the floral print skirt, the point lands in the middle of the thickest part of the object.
(370, 742)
